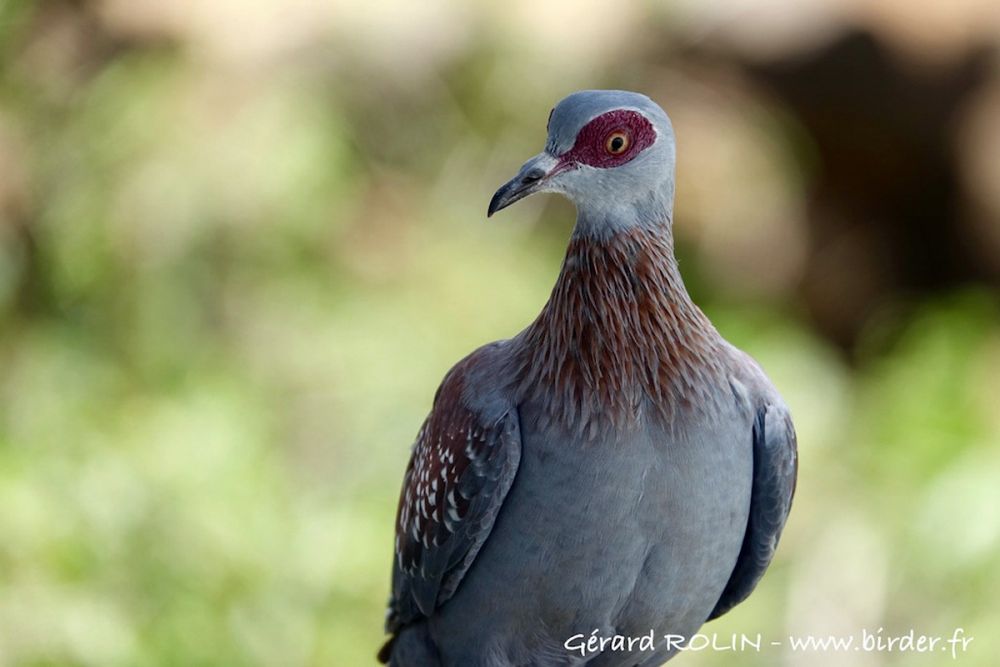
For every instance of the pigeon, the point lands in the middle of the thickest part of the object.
(595, 488)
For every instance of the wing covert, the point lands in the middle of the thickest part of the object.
(461, 468)
(775, 466)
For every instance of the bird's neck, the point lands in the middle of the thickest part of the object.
(618, 336)
(604, 218)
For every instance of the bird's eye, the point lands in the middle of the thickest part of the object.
(616, 143)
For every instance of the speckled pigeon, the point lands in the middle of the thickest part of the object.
(617, 466)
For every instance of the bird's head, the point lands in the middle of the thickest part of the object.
(611, 153)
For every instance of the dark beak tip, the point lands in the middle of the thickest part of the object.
(498, 201)
(525, 183)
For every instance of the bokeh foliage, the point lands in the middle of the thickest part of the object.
(239, 247)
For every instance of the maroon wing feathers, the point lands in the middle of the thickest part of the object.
(461, 468)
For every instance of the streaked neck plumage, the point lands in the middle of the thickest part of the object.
(619, 338)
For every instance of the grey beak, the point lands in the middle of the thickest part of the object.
(532, 177)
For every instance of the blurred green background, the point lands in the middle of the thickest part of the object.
(241, 243)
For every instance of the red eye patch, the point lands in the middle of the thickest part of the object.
(591, 145)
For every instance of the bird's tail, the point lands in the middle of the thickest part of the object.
(385, 653)
(411, 646)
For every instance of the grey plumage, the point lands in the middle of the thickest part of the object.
(615, 466)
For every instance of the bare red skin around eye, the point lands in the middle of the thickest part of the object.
(590, 145)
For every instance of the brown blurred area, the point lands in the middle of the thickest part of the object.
(892, 122)
(897, 207)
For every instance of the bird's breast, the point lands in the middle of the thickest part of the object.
(632, 532)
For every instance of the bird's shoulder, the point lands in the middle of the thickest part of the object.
(751, 386)
(479, 383)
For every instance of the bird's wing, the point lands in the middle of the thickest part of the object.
(775, 465)
(460, 471)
